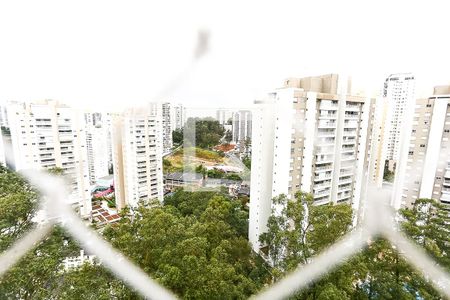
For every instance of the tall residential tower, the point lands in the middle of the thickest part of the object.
(399, 92)
(137, 156)
(48, 134)
(428, 159)
(312, 136)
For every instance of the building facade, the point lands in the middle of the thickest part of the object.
(98, 145)
(137, 156)
(399, 92)
(167, 126)
(242, 126)
(178, 116)
(312, 136)
(428, 159)
(223, 115)
(380, 130)
(47, 134)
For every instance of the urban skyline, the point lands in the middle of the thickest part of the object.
(313, 135)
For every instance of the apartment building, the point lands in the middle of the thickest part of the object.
(399, 91)
(178, 116)
(242, 126)
(379, 129)
(137, 156)
(98, 145)
(48, 134)
(428, 159)
(223, 115)
(167, 126)
(310, 135)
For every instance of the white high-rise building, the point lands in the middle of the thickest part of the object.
(98, 146)
(427, 161)
(399, 91)
(167, 126)
(312, 136)
(137, 156)
(223, 115)
(380, 127)
(242, 125)
(47, 134)
(178, 116)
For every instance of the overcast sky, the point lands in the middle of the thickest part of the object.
(110, 54)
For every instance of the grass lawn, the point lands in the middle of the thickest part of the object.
(202, 156)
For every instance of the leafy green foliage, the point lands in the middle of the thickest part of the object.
(233, 176)
(377, 272)
(302, 230)
(214, 173)
(177, 136)
(388, 175)
(247, 162)
(18, 201)
(195, 245)
(208, 131)
(427, 223)
(57, 171)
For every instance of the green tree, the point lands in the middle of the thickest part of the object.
(247, 162)
(302, 229)
(195, 245)
(38, 275)
(208, 131)
(177, 136)
(214, 173)
(228, 136)
(427, 223)
(56, 171)
(233, 176)
(18, 202)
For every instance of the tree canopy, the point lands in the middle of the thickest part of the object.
(195, 244)
(301, 230)
(208, 131)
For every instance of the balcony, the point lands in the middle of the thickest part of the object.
(350, 124)
(345, 172)
(324, 159)
(325, 142)
(348, 141)
(324, 168)
(346, 157)
(321, 201)
(345, 181)
(322, 186)
(321, 194)
(327, 115)
(351, 116)
(344, 196)
(324, 150)
(445, 197)
(352, 107)
(322, 176)
(326, 124)
(326, 105)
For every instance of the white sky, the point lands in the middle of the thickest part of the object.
(111, 54)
